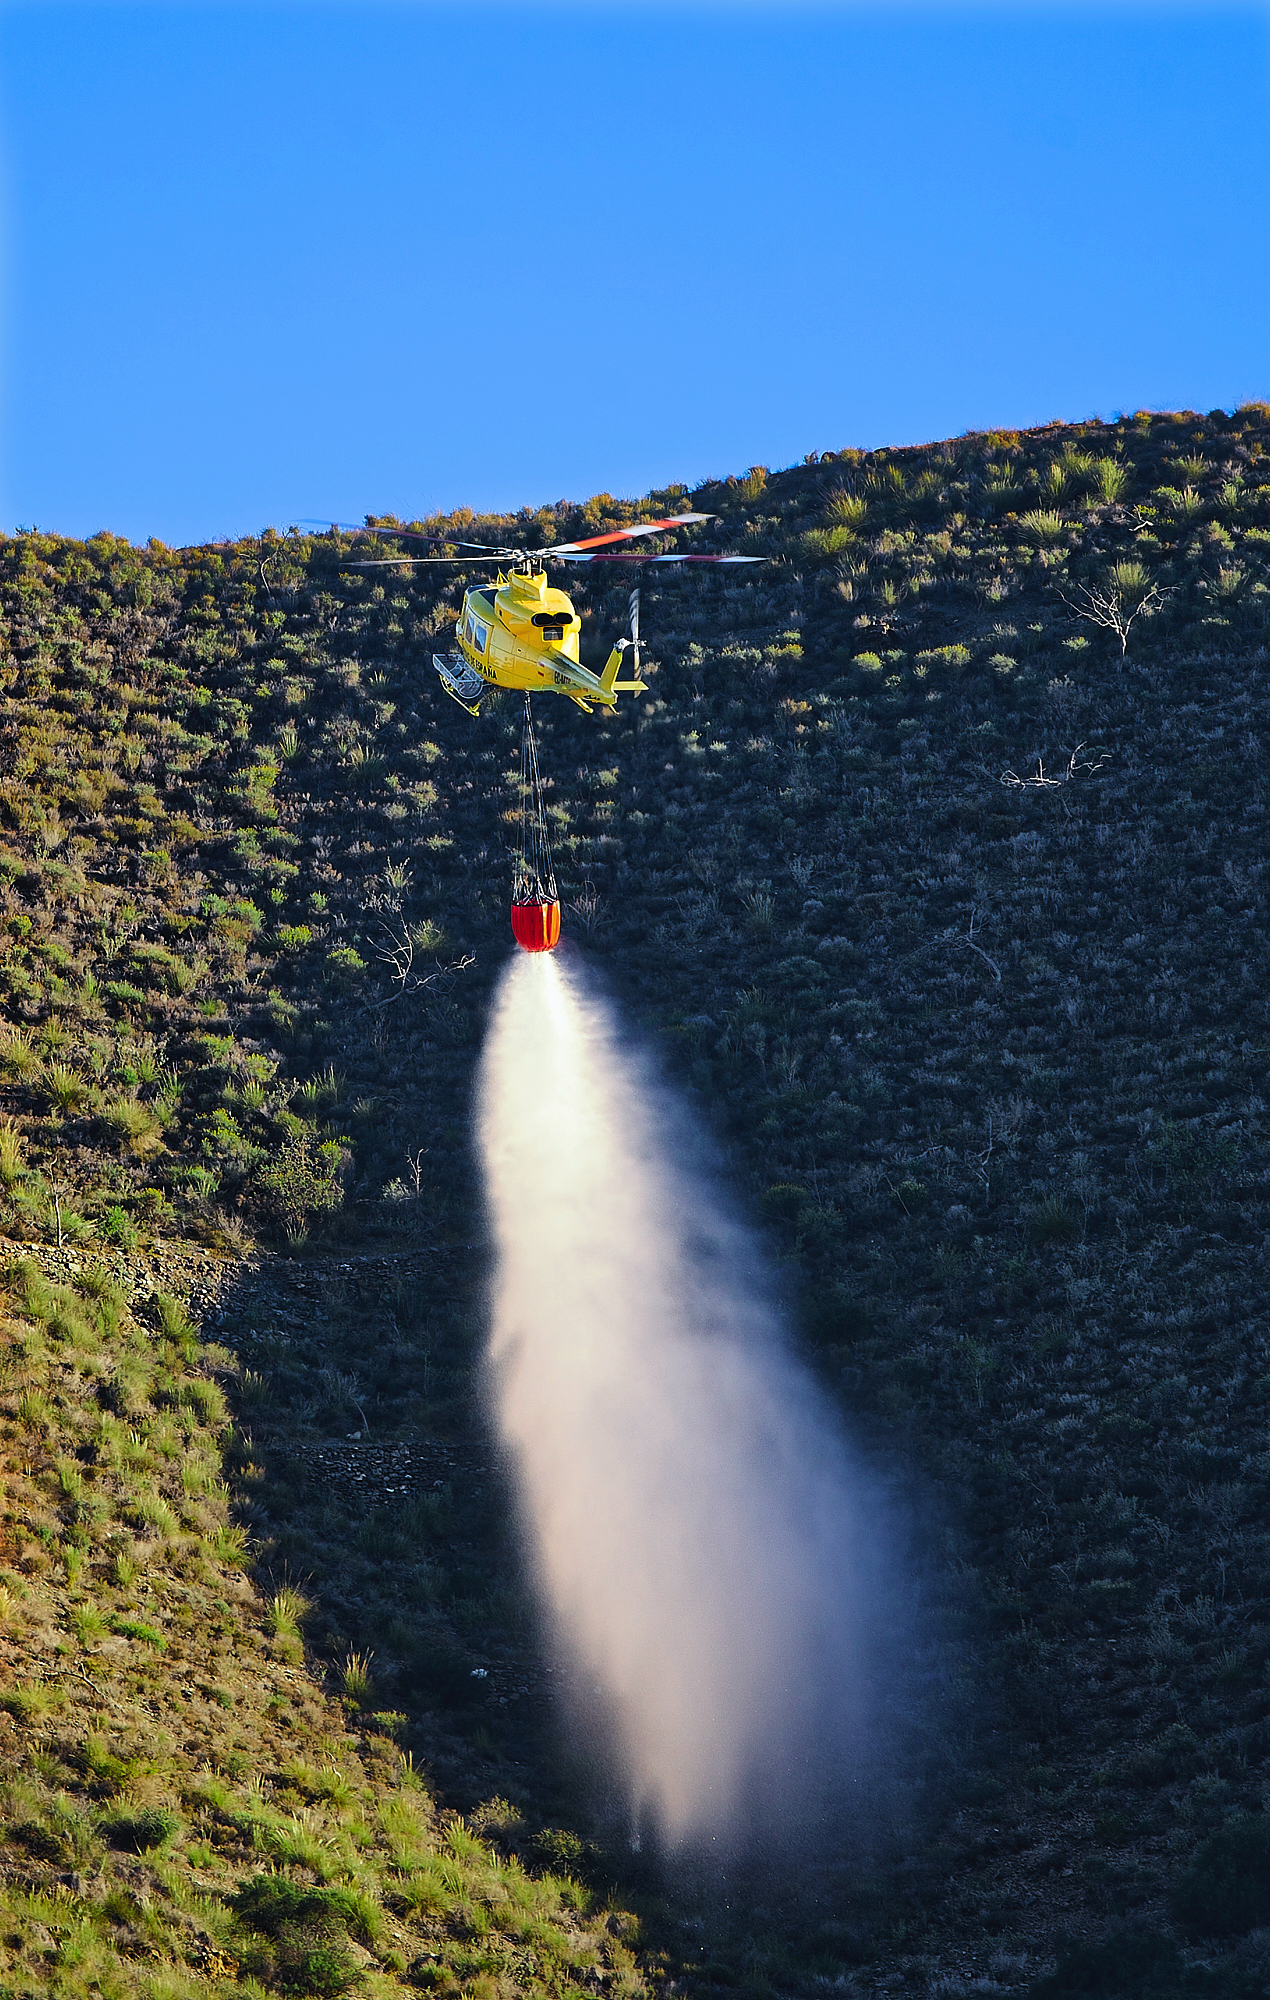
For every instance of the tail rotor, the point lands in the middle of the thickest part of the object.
(617, 660)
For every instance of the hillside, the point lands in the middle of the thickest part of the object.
(948, 911)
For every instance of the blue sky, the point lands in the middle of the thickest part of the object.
(267, 262)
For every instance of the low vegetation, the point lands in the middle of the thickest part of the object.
(934, 861)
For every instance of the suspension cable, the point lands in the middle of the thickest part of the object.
(535, 878)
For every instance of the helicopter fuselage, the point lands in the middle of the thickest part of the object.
(521, 632)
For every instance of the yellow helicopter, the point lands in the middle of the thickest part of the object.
(520, 632)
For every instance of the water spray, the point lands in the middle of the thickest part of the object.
(713, 1565)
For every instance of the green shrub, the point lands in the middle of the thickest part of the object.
(184, 974)
(306, 1930)
(141, 1832)
(390, 1722)
(822, 544)
(848, 509)
(96, 1283)
(12, 1166)
(1053, 1221)
(944, 656)
(105, 1771)
(229, 1545)
(134, 1126)
(67, 1323)
(1183, 505)
(70, 1480)
(231, 923)
(135, 1628)
(286, 1609)
(561, 1850)
(33, 1410)
(911, 1195)
(365, 766)
(356, 1677)
(1130, 581)
(128, 1391)
(118, 1227)
(206, 1399)
(28, 1701)
(224, 1143)
(1042, 525)
(1226, 1890)
(311, 1964)
(1131, 1965)
(293, 937)
(67, 1092)
(303, 1180)
(152, 1511)
(345, 967)
(306, 1099)
(1110, 479)
(38, 1299)
(268, 1901)
(173, 1319)
(429, 936)
(759, 909)
(784, 1201)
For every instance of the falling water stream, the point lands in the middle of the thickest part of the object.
(717, 1575)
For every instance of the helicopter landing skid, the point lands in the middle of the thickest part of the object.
(460, 681)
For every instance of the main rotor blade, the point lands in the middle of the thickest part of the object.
(566, 551)
(623, 534)
(657, 559)
(413, 562)
(417, 535)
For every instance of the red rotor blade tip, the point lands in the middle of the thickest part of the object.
(628, 534)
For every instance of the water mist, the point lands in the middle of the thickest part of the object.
(715, 1569)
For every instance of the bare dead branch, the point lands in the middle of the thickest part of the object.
(950, 938)
(396, 950)
(1116, 607)
(1041, 780)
